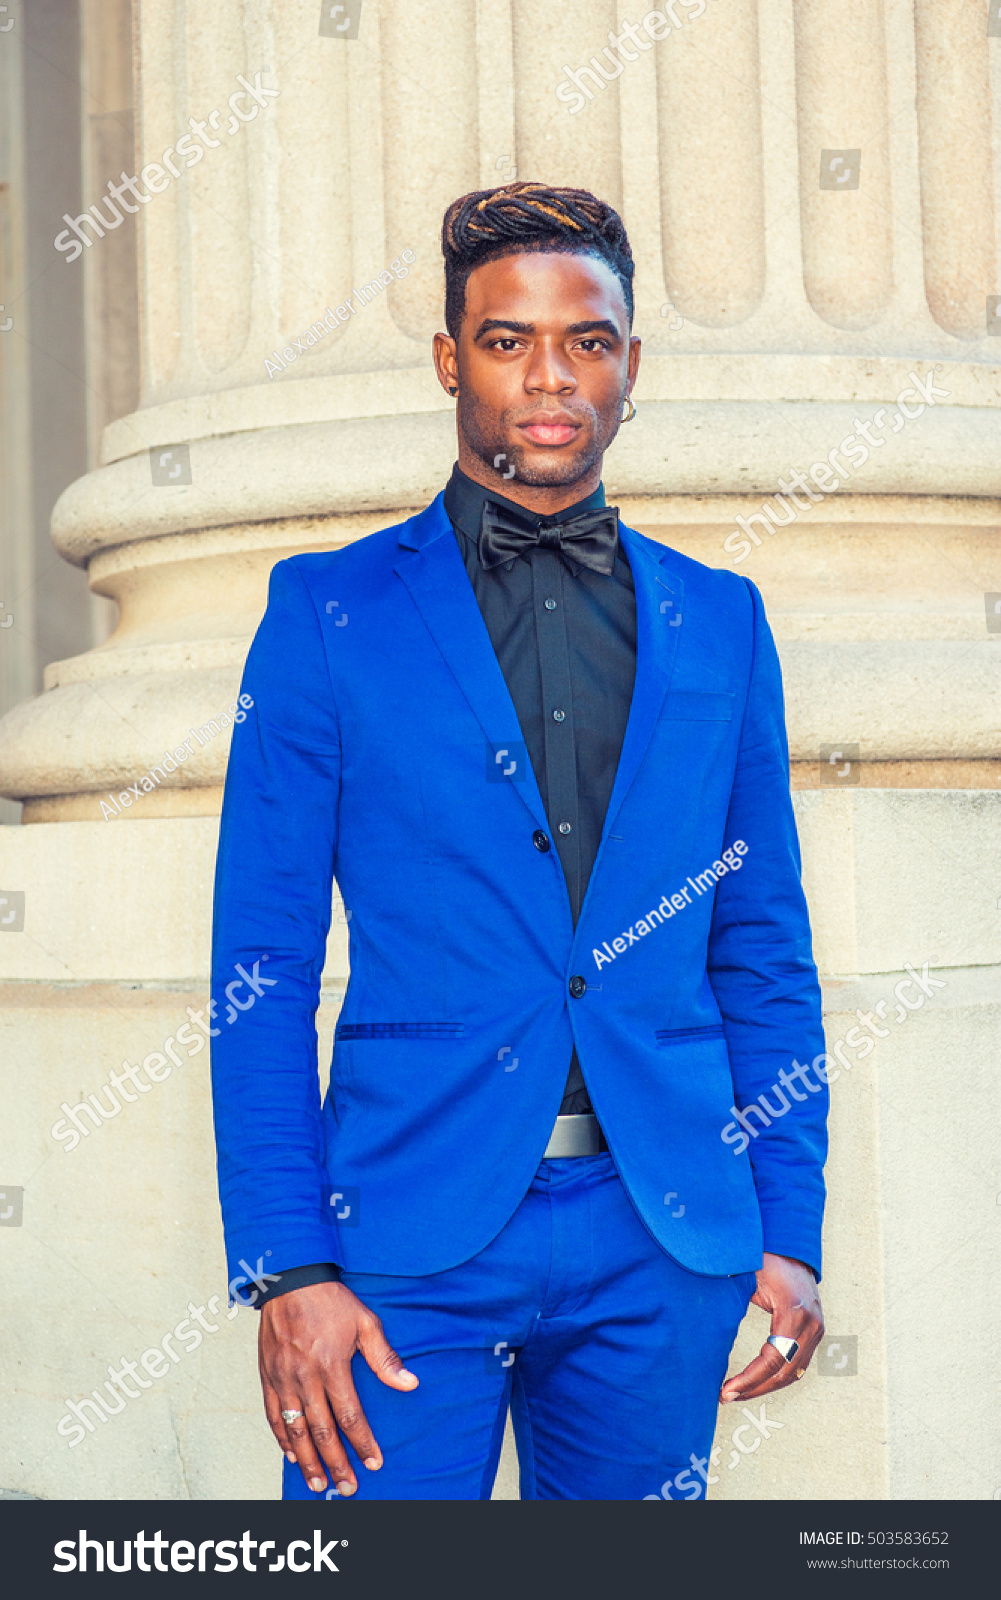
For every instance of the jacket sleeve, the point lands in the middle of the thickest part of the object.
(274, 875)
(761, 968)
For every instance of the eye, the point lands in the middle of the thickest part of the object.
(508, 343)
(589, 346)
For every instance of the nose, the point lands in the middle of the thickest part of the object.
(550, 371)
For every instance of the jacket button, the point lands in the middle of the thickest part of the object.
(540, 840)
(577, 985)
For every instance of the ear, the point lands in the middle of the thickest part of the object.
(445, 363)
(635, 345)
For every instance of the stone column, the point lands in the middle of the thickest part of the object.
(779, 315)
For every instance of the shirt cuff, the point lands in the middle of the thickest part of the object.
(298, 1278)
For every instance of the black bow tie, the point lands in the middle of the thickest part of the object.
(589, 539)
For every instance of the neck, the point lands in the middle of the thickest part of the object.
(545, 498)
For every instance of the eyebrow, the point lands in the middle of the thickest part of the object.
(490, 323)
(596, 325)
(592, 325)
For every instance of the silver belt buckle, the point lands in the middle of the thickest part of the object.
(575, 1136)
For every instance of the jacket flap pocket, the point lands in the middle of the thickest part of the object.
(668, 1035)
(399, 1030)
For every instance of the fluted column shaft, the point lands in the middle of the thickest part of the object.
(291, 279)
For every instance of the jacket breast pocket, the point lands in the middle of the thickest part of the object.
(685, 705)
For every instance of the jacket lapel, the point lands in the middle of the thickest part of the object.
(430, 565)
(660, 595)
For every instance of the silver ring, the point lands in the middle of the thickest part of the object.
(788, 1349)
(290, 1416)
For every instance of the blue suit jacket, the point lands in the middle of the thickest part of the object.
(368, 756)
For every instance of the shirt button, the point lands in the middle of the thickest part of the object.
(577, 985)
(550, 605)
(540, 840)
(559, 716)
(564, 827)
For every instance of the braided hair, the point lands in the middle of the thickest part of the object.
(520, 217)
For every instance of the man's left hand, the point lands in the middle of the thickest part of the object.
(788, 1290)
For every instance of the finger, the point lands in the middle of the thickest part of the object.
(807, 1352)
(770, 1371)
(272, 1404)
(381, 1356)
(326, 1441)
(808, 1345)
(767, 1365)
(273, 1412)
(808, 1330)
(301, 1438)
(769, 1385)
(755, 1385)
(349, 1416)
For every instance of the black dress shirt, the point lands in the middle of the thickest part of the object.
(565, 640)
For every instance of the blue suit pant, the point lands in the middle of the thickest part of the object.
(609, 1354)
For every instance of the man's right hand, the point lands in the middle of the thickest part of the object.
(305, 1343)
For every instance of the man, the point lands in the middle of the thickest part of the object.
(544, 758)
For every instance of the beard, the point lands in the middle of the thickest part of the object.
(485, 434)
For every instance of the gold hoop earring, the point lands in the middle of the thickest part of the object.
(630, 414)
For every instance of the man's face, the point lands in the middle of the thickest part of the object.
(543, 363)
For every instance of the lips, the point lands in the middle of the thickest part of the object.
(555, 430)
